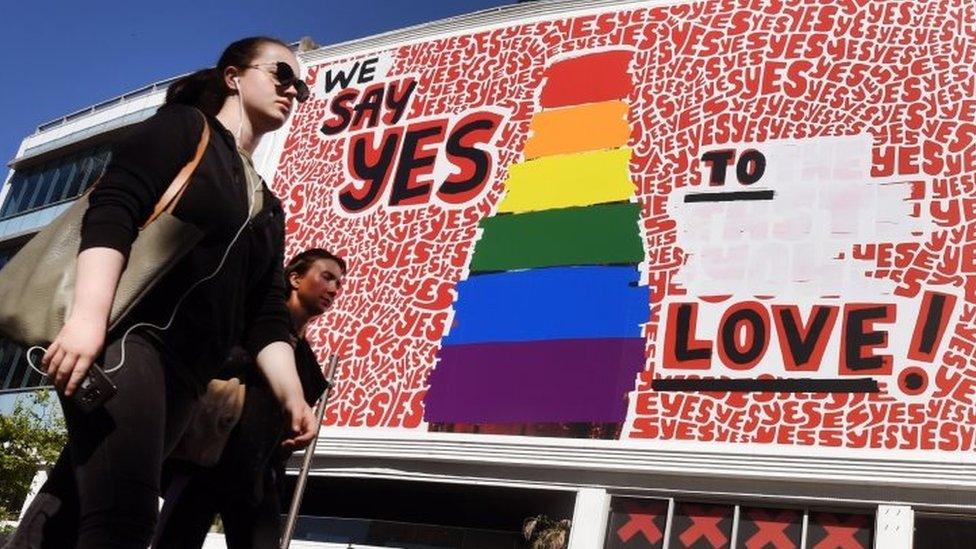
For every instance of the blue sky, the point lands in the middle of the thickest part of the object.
(66, 55)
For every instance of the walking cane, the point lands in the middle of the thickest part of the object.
(296, 499)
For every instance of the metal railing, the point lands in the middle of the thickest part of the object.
(98, 107)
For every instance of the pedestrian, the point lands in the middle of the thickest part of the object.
(245, 487)
(226, 289)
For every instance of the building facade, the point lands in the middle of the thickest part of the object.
(53, 167)
(690, 274)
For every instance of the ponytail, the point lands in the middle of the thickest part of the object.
(203, 89)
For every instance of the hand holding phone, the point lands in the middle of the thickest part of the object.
(94, 390)
(69, 362)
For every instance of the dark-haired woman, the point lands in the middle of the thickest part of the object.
(104, 489)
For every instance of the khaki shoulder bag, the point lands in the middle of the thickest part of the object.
(37, 284)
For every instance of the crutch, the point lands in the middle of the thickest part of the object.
(296, 498)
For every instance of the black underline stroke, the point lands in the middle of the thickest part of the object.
(734, 196)
(804, 385)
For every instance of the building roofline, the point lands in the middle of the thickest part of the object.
(98, 107)
(491, 17)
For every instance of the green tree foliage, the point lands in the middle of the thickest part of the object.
(31, 437)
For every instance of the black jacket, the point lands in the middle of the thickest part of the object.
(244, 303)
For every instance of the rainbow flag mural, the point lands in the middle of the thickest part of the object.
(548, 326)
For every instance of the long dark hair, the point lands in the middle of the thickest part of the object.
(205, 89)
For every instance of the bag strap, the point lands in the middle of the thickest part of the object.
(167, 202)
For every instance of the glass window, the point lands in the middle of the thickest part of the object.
(636, 522)
(943, 531)
(14, 360)
(101, 163)
(59, 183)
(763, 527)
(645, 523)
(6, 368)
(15, 373)
(33, 183)
(43, 185)
(84, 166)
(16, 188)
(22, 194)
(70, 171)
(701, 525)
(840, 530)
(35, 379)
(54, 181)
(50, 180)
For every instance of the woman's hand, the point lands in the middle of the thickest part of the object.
(74, 350)
(302, 421)
(83, 335)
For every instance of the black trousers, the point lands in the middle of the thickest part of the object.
(195, 495)
(103, 492)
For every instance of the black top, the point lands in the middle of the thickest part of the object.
(253, 448)
(245, 302)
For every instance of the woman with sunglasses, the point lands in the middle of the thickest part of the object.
(103, 492)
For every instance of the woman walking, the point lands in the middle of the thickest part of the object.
(226, 290)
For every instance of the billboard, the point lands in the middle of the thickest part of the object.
(729, 222)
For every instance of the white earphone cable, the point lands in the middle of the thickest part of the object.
(240, 109)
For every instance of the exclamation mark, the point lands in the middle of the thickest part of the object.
(930, 327)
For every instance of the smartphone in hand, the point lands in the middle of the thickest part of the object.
(94, 390)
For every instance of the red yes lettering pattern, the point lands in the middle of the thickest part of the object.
(706, 74)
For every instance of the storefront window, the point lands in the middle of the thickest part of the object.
(762, 527)
(637, 523)
(944, 531)
(698, 525)
(840, 530)
(421, 515)
(380, 533)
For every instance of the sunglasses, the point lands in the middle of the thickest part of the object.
(286, 78)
